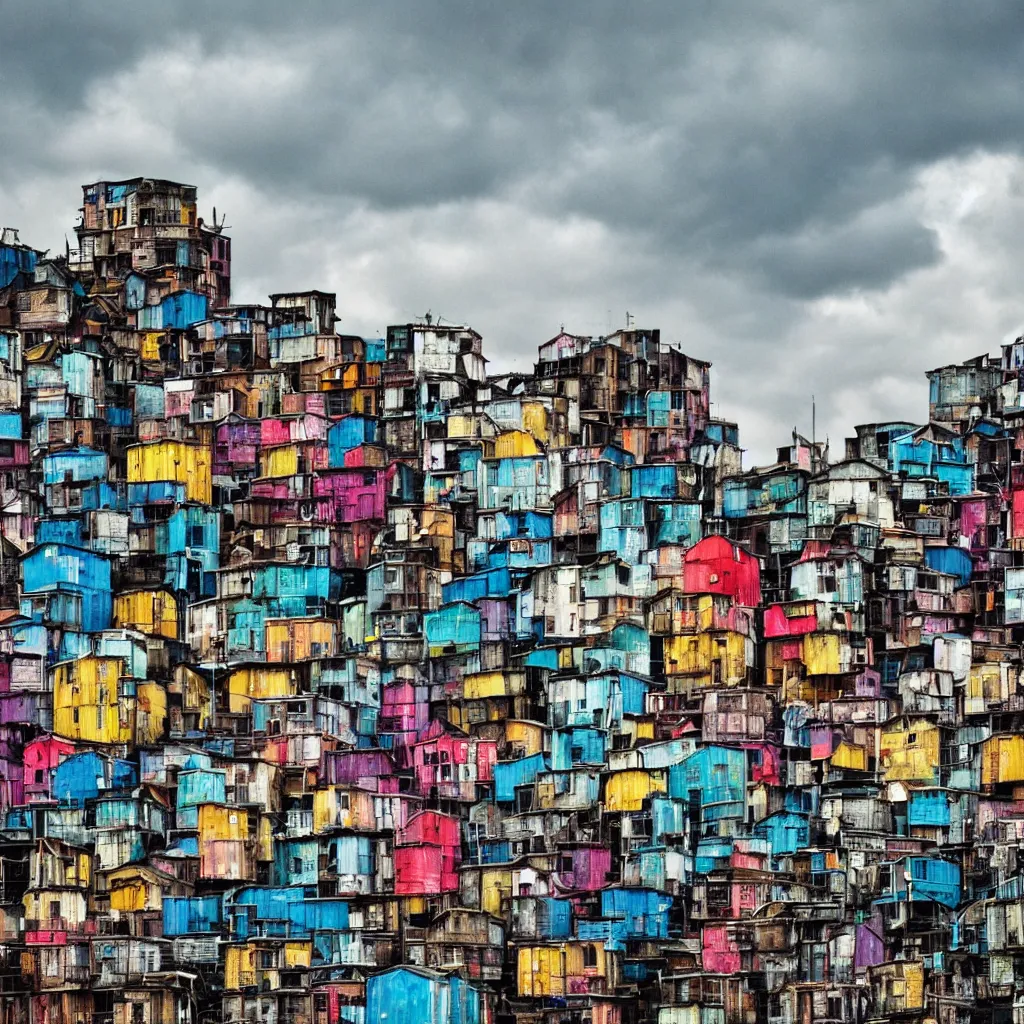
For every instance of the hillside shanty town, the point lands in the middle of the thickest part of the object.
(344, 680)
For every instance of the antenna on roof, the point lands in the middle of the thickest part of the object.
(629, 320)
(428, 317)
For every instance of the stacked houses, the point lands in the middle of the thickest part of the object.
(344, 680)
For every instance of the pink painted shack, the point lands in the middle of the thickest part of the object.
(41, 756)
(715, 565)
(427, 855)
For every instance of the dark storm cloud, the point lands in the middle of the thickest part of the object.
(759, 156)
(717, 129)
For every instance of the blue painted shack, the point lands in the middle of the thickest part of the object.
(643, 912)
(654, 481)
(517, 482)
(785, 831)
(920, 879)
(75, 583)
(453, 628)
(15, 259)
(713, 778)
(952, 561)
(349, 432)
(622, 528)
(86, 775)
(283, 911)
(571, 747)
(526, 523)
(674, 522)
(933, 451)
(496, 582)
(510, 774)
(176, 311)
(929, 808)
(192, 915)
(354, 860)
(402, 995)
(10, 426)
(195, 787)
(290, 591)
(190, 541)
(75, 465)
(296, 861)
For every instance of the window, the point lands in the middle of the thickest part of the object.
(590, 955)
(718, 895)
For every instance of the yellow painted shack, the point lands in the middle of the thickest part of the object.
(910, 751)
(463, 426)
(255, 682)
(988, 683)
(173, 461)
(535, 421)
(300, 639)
(240, 967)
(499, 683)
(514, 444)
(851, 756)
(150, 714)
(559, 970)
(136, 888)
(627, 791)
(524, 738)
(153, 612)
(340, 807)
(280, 461)
(194, 690)
(897, 987)
(721, 658)
(495, 886)
(87, 704)
(1002, 760)
(217, 821)
(55, 910)
(823, 654)
(257, 964)
(149, 346)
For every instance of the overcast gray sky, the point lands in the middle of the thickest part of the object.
(819, 198)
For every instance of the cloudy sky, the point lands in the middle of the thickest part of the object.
(819, 198)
